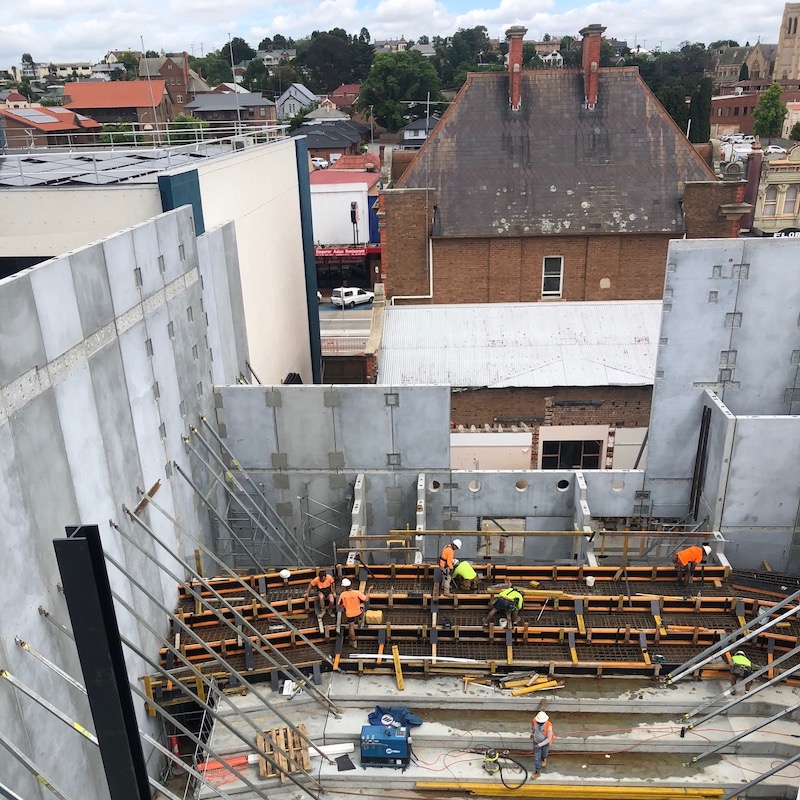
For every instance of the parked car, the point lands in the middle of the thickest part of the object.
(775, 150)
(319, 163)
(347, 298)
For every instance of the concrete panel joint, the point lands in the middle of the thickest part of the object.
(337, 481)
(450, 509)
(272, 398)
(284, 509)
(336, 460)
(280, 461)
(280, 480)
(332, 398)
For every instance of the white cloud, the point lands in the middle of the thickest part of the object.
(61, 30)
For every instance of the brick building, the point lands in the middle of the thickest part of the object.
(42, 126)
(144, 102)
(182, 83)
(548, 184)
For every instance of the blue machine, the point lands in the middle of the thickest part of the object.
(387, 745)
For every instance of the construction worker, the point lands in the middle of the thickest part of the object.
(325, 589)
(443, 574)
(351, 601)
(509, 603)
(741, 668)
(464, 576)
(542, 734)
(687, 559)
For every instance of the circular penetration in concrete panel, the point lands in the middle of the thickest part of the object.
(434, 486)
(562, 485)
(521, 485)
(474, 486)
(617, 485)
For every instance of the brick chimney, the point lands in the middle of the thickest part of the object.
(592, 36)
(514, 37)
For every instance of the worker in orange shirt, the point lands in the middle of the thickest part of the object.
(326, 591)
(351, 601)
(687, 559)
(443, 574)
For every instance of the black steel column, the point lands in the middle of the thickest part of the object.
(94, 623)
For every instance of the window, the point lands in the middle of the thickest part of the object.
(263, 111)
(771, 202)
(736, 111)
(179, 98)
(569, 455)
(790, 201)
(552, 276)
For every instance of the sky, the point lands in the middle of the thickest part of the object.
(85, 30)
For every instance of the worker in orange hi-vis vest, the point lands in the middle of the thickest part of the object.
(325, 591)
(351, 601)
(687, 559)
(443, 573)
(542, 734)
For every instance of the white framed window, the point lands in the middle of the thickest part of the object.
(790, 201)
(552, 276)
(771, 202)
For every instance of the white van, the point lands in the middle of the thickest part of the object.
(347, 298)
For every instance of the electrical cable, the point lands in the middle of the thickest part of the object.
(519, 764)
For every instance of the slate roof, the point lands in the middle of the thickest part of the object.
(733, 56)
(424, 124)
(555, 167)
(228, 101)
(322, 137)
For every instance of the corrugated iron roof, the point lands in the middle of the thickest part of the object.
(555, 167)
(521, 344)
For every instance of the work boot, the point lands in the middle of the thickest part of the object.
(536, 775)
(544, 762)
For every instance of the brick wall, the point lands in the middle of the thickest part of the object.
(701, 208)
(405, 240)
(620, 406)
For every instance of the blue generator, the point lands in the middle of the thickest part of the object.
(385, 746)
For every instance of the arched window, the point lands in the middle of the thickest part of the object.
(771, 202)
(790, 201)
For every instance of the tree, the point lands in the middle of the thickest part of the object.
(394, 80)
(241, 50)
(700, 112)
(328, 59)
(364, 36)
(265, 44)
(423, 40)
(673, 98)
(213, 68)
(723, 43)
(119, 133)
(794, 134)
(255, 76)
(362, 56)
(280, 42)
(744, 72)
(27, 58)
(769, 113)
(130, 63)
(185, 129)
(570, 50)
(151, 54)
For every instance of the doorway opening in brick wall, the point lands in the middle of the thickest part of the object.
(584, 454)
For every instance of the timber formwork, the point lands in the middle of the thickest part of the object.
(634, 621)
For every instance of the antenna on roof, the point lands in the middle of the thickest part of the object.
(149, 86)
(235, 92)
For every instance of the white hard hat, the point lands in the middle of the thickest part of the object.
(707, 549)
(457, 543)
(345, 581)
(740, 653)
(542, 717)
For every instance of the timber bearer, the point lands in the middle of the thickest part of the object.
(687, 559)
(443, 573)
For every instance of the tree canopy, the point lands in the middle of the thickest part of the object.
(241, 50)
(770, 112)
(794, 134)
(328, 59)
(213, 68)
(395, 80)
(700, 112)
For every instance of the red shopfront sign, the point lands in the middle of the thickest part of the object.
(346, 252)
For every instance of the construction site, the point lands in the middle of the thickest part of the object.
(166, 518)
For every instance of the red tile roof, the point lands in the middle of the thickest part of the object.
(115, 94)
(16, 97)
(357, 162)
(60, 119)
(346, 88)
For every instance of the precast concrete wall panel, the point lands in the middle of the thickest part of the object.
(57, 308)
(120, 261)
(762, 492)
(612, 493)
(92, 292)
(361, 411)
(146, 250)
(307, 430)
(418, 423)
(720, 439)
(20, 335)
(177, 245)
(248, 424)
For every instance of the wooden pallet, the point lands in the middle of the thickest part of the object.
(291, 743)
